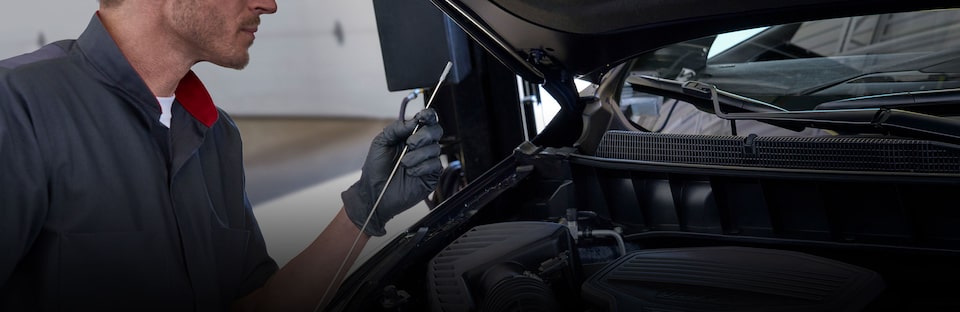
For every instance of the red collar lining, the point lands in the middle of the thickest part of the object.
(194, 98)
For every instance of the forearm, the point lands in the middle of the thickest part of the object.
(301, 283)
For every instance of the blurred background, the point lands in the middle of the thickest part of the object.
(308, 104)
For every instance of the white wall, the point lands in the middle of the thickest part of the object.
(297, 66)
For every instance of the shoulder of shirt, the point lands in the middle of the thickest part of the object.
(45, 62)
(224, 119)
(50, 51)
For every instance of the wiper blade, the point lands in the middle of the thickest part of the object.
(685, 90)
(880, 120)
(699, 95)
(936, 102)
(863, 120)
(867, 120)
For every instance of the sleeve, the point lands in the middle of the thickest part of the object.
(23, 187)
(258, 265)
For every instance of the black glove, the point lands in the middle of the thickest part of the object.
(415, 178)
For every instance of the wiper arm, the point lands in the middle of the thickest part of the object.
(937, 102)
(700, 95)
(686, 90)
(863, 120)
(879, 120)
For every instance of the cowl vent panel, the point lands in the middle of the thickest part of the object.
(819, 153)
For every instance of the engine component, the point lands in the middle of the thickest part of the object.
(512, 266)
(510, 288)
(730, 279)
(588, 232)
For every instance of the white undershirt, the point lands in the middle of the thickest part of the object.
(166, 103)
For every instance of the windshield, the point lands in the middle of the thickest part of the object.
(798, 66)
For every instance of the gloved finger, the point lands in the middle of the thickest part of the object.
(414, 157)
(396, 132)
(429, 168)
(428, 134)
(427, 116)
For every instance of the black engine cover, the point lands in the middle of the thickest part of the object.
(730, 279)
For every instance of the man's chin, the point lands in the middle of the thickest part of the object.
(238, 63)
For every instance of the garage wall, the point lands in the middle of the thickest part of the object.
(299, 66)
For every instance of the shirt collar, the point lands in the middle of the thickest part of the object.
(195, 99)
(105, 56)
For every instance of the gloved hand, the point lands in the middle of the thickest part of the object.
(415, 178)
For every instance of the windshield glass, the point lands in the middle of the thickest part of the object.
(797, 66)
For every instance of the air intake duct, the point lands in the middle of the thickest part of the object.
(510, 288)
(512, 266)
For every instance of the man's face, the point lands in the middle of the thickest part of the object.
(219, 31)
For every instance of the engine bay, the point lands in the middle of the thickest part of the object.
(552, 229)
(530, 266)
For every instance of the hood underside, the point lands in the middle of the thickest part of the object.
(579, 37)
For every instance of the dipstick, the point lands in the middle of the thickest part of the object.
(443, 76)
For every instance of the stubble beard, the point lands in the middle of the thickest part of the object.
(202, 28)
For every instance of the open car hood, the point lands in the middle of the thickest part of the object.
(877, 195)
(553, 40)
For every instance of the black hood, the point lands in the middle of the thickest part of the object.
(579, 37)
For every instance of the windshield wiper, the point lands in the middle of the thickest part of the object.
(878, 120)
(945, 102)
(701, 98)
(687, 91)
(863, 120)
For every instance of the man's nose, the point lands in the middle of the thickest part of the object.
(263, 6)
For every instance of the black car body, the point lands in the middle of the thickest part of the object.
(828, 186)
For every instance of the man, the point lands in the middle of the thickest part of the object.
(122, 184)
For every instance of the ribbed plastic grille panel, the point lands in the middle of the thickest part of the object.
(803, 285)
(730, 279)
(822, 153)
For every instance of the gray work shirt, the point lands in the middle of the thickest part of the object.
(104, 208)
